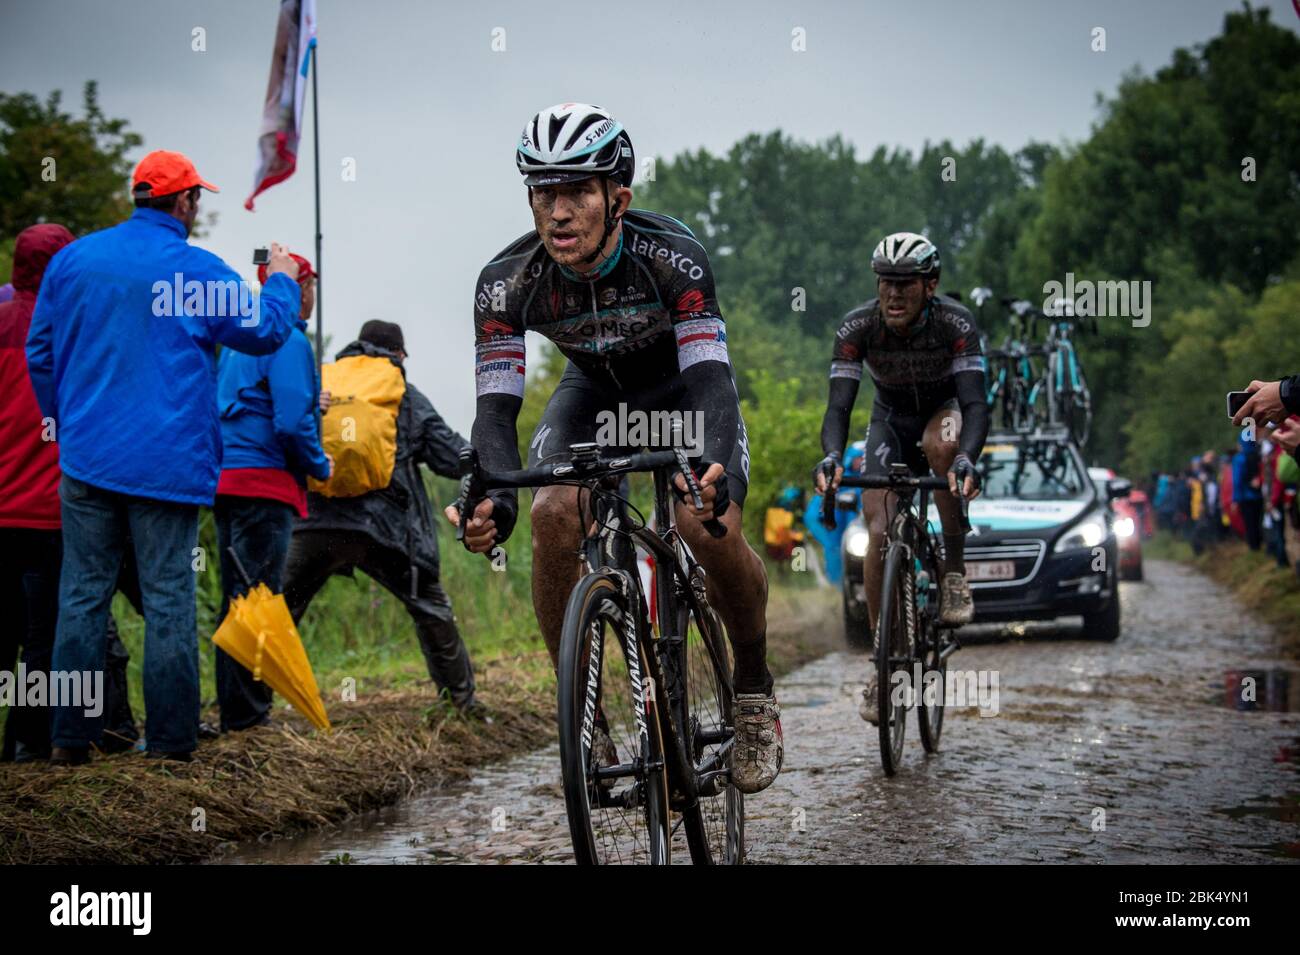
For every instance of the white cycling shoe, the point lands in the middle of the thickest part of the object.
(956, 606)
(759, 749)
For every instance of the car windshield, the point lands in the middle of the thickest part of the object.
(1031, 470)
(1099, 479)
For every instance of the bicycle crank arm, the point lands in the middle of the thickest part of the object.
(623, 770)
(712, 737)
(629, 798)
(714, 782)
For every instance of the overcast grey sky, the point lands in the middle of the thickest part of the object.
(415, 94)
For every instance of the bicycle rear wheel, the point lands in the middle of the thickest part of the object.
(617, 814)
(893, 653)
(1022, 411)
(1078, 416)
(715, 825)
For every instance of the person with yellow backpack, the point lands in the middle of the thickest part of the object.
(373, 512)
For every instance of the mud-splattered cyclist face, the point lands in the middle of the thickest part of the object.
(570, 218)
(901, 299)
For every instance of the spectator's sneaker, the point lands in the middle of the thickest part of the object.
(474, 710)
(603, 753)
(69, 755)
(869, 708)
(176, 756)
(27, 754)
(956, 606)
(759, 747)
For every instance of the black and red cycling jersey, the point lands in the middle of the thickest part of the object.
(645, 318)
(937, 361)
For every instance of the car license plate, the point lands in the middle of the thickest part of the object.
(990, 570)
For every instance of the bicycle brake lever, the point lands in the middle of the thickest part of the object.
(828, 509)
(471, 491)
(715, 527)
(692, 485)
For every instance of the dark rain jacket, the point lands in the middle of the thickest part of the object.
(398, 516)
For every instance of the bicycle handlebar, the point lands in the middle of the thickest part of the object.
(929, 482)
(565, 472)
(475, 482)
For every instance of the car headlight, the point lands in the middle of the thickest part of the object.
(856, 542)
(1124, 527)
(1089, 532)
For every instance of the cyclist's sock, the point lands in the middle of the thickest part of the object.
(954, 554)
(750, 674)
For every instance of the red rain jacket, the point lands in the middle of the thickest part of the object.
(29, 465)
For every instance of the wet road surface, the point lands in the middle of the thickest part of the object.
(1098, 752)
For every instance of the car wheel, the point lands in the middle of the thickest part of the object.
(1104, 624)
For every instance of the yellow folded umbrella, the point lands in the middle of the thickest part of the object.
(259, 634)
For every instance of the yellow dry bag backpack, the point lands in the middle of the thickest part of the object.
(360, 426)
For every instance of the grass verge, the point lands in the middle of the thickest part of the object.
(272, 782)
(1253, 577)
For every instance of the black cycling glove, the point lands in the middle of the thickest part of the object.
(826, 467)
(963, 467)
(723, 499)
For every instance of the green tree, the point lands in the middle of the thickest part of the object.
(790, 228)
(55, 167)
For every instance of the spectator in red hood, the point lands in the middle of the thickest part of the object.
(29, 498)
(30, 536)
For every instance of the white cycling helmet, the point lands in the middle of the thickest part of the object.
(572, 141)
(906, 254)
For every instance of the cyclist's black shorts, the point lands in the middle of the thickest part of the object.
(581, 408)
(894, 436)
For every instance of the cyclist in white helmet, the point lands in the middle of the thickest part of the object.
(627, 296)
(930, 411)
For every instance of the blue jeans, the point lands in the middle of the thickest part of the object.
(259, 532)
(95, 526)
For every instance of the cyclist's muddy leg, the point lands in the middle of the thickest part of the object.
(940, 444)
(737, 583)
(877, 509)
(557, 535)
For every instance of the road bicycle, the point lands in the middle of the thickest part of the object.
(1011, 379)
(909, 641)
(1067, 389)
(659, 689)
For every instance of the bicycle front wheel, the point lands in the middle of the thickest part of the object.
(611, 745)
(893, 653)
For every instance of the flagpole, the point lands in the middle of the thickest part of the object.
(315, 126)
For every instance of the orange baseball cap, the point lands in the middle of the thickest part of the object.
(161, 173)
